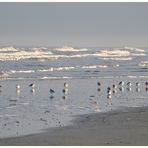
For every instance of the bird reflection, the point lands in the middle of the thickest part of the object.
(137, 89)
(109, 101)
(121, 89)
(32, 91)
(114, 91)
(137, 84)
(109, 96)
(64, 97)
(146, 88)
(51, 96)
(99, 89)
(129, 88)
(18, 92)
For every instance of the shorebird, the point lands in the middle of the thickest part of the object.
(137, 84)
(121, 83)
(65, 90)
(114, 86)
(65, 84)
(52, 91)
(146, 83)
(129, 84)
(18, 86)
(108, 89)
(32, 85)
(99, 84)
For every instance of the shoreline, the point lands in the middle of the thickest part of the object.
(125, 127)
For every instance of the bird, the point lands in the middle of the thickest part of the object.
(65, 84)
(32, 85)
(65, 91)
(121, 83)
(99, 84)
(146, 83)
(18, 86)
(108, 89)
(137, 84)
(114, 86)
(129, 84)
(52, 91)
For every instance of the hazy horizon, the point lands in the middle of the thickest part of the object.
(74, 24)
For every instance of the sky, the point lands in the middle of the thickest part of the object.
(74, 24)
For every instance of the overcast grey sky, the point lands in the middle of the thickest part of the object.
(74, 24)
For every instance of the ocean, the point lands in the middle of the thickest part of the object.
(70, 62)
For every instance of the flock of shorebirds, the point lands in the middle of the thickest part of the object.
(110, 89)
(51, 91)
(113, 88)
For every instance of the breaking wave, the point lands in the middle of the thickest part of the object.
(70, 62)
(44, 53)
(121, 52)
(70, 49)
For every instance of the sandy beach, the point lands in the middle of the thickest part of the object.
(82, 116)
(114, 128)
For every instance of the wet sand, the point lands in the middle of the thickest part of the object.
(128, 127)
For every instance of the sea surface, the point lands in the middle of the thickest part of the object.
(30, 110)
(70, 62)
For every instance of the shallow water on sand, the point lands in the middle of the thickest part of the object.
(28, 110)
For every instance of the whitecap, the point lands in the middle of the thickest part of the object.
(9, 49)
(118, 59)
(70, 49)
